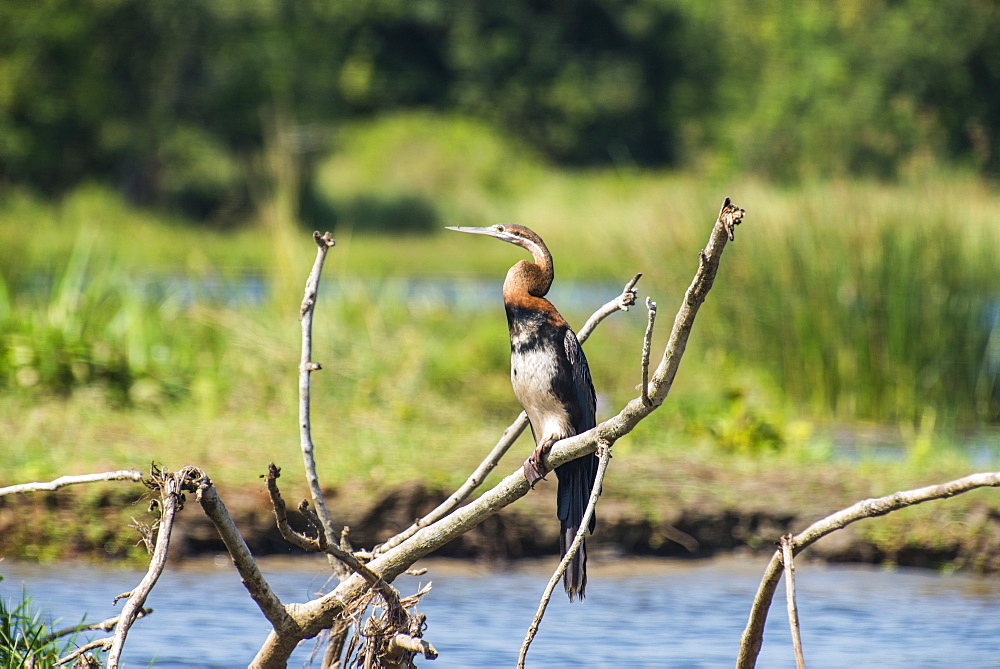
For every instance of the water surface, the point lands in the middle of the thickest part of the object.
(638, 613)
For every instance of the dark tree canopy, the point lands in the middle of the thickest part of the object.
(168, 100)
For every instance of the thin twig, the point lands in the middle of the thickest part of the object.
(63, 481)
(171, 487)
(793, 612)
(104, 626)
(507, 440)
(103, 644)
(306, 368)
(604, 457)
(753, 634)
(620, 303)
(647, 342)
(281, 515)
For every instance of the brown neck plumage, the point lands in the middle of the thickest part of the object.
(529, 279)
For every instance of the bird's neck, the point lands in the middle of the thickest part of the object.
(527, 280)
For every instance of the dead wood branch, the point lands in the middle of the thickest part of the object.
(620, 303)
(306, 368)
(647, 342)
(91, 661)
(793, 611)
(322, 544)
(103, 626)
(406, 643)
(604, 457)
(121, 475)
(259, 589)
(397, 619)
(476, 479)
(323, 613)
(171, 488)
(753, 634)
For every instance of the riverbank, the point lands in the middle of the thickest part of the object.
(683, 507)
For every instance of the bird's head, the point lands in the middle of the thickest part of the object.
(512, 233)
(535, 278)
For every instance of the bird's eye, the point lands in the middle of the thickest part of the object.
(498, 228)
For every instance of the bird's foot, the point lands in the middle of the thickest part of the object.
(534, 466)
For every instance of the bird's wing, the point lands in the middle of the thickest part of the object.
(584, 410)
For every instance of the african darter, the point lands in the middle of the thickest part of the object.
(552, 381)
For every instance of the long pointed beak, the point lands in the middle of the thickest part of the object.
(476, 231)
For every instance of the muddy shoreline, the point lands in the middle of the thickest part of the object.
(75, 524)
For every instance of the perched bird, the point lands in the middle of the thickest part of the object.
(552, 382)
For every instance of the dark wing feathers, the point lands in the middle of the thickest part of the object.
(576, 477)
(583, 413)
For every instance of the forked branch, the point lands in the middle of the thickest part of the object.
(788, 560)
(753, 634)
(322, 544)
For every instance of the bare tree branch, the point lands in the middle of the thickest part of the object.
(104, 626)
(507, 440)
(793, 612)
(397, 611)
(753, 634)
(647, 342)
(620, 303)
(604, 457)
(405, 642)
(96, 643)
(63, 481)
(322, 544)
(171, 487)
(323, 612)
(306, 368)
(259, 589)
(281, 516)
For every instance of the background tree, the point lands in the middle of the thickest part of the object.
(168, 101)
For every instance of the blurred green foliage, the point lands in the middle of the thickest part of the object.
(173, 102)
(842, 300)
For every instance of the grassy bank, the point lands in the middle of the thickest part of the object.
(688, 501)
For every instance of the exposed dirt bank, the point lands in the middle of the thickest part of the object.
(75, 523)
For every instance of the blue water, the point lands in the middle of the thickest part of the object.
(638, 613)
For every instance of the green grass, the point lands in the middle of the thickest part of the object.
(23, 635)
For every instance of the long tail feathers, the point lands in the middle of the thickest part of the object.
(576, 479)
